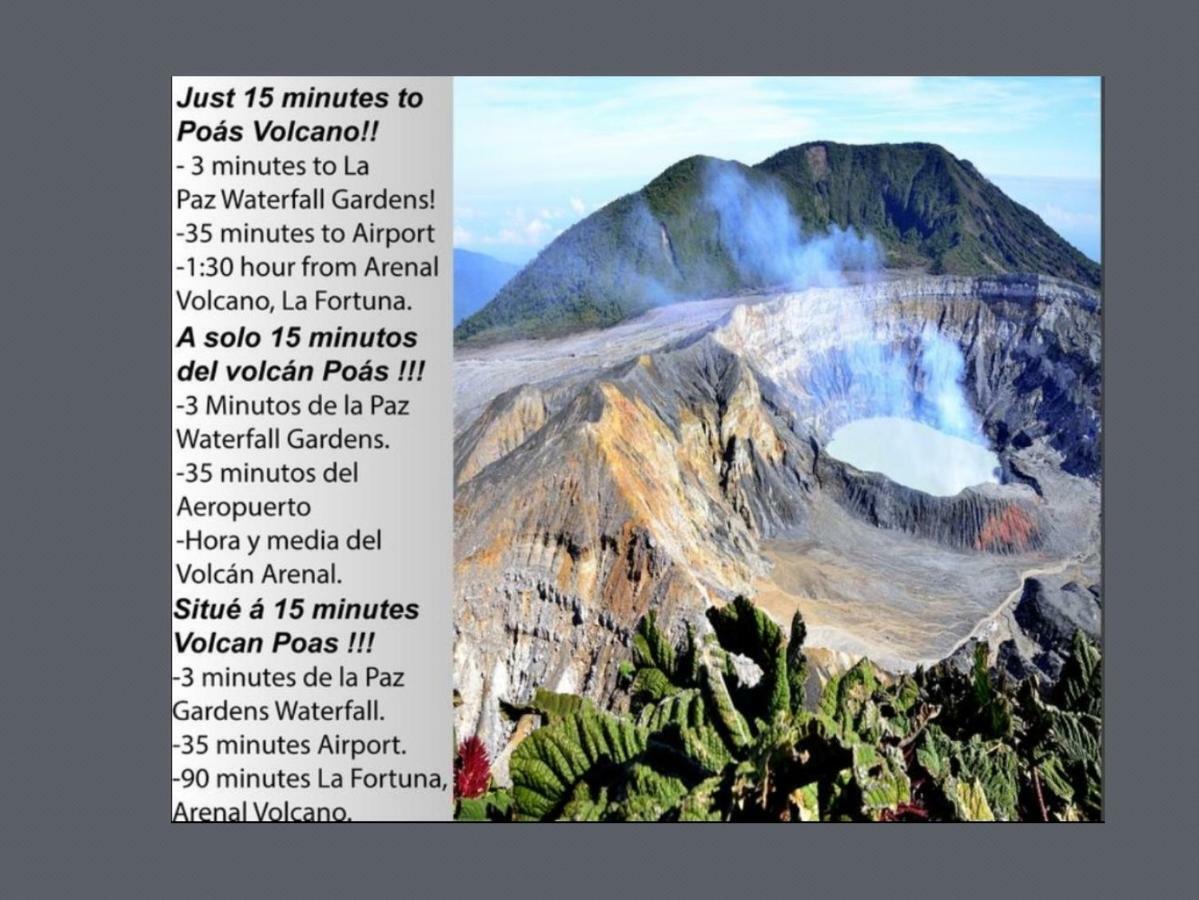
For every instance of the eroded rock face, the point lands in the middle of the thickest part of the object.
(1050, 610)
(585, 501)
(978, 518)
(518, 414)
(1031, 346)
(629, 498)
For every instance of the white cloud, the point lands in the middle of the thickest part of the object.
(535, 231)
(1059, 217)
(522, 230)
(528, 150)
(537, 131)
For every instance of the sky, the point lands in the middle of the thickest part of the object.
(533, 155)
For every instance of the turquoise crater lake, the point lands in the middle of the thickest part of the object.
(914, 454)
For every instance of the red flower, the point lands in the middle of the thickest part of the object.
(472, 769)
(905, 812)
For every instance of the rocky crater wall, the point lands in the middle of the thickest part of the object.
(584, 501)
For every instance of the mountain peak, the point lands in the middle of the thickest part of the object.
(686, 234)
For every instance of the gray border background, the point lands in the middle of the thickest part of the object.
(86, 445)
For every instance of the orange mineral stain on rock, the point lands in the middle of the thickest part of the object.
(664, 483)
(499, 434)
(1011, 530)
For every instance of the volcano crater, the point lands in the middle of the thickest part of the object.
(704, 462)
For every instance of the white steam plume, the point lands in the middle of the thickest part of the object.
(764, 239)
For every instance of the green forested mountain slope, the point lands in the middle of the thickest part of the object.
(708, 227)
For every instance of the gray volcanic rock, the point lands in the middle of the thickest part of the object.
(978, 518)
(962, 659)
(1049, 613)
(632, 496)
(1009, 659)
(514, 416)
(1031, 345)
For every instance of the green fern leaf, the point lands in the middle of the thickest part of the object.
(548, 765)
